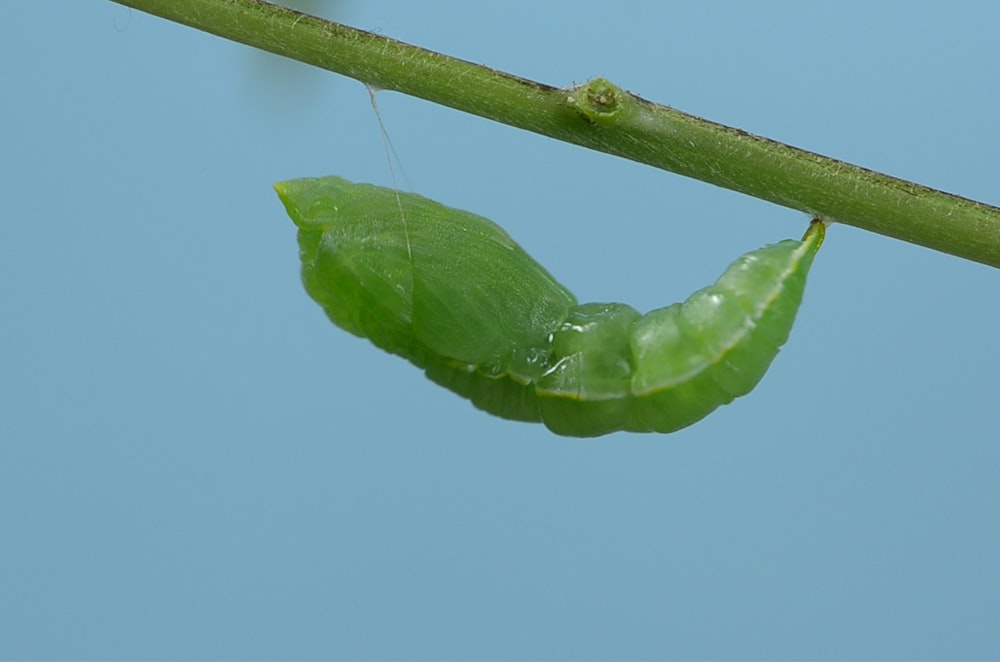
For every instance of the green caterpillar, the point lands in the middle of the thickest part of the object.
(452, 293)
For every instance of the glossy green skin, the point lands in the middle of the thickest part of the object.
(451, 292)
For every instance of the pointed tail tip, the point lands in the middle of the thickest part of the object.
(815, 234)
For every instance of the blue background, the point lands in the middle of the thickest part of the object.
(195, 464)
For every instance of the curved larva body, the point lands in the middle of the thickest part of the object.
(451, 292)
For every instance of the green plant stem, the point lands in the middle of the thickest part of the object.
(646, 132)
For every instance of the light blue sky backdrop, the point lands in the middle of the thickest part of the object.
(195, 464)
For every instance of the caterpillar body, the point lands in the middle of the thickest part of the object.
(452, 293)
